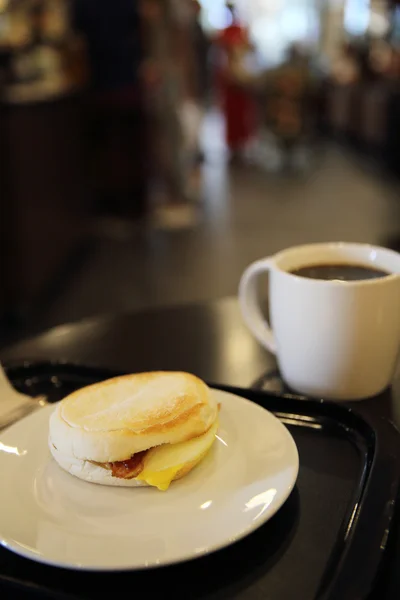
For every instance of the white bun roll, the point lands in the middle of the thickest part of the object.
(90, 472)
(112, 420)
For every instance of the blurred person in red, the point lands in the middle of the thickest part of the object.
(234, 85)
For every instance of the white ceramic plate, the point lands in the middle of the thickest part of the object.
(52, 517)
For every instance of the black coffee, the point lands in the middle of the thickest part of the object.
(344, 272)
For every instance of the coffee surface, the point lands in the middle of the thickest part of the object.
(340, 272)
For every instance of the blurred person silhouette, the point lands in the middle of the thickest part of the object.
(346, 68)
(201, 47)
(170, 82)
(381, 55)
(289, 101)
(116, 121)
(234, 85)
(192, 56)
(201, 44)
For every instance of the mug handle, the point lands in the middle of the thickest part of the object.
(250, 305)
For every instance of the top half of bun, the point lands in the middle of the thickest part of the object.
(112, 420)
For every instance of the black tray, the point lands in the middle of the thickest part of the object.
(326, 542)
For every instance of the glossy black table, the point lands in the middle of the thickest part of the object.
(209, 340)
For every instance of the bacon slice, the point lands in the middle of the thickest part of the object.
(126, 469)
(129, 469)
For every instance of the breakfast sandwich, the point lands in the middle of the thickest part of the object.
(147, 429)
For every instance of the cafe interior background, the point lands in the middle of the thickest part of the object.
(132, 176)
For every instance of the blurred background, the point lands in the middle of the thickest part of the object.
(151, 149)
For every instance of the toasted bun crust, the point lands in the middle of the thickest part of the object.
(112, 420)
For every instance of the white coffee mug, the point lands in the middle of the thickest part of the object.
(333, 339)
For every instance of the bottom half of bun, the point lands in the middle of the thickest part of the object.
(91, 472)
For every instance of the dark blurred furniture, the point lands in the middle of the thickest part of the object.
(392, 145)
(116, 123)
(337, 109)
(44, 202)
(71, 154)
(117, 131)
(367, 116)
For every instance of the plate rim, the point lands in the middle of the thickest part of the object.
(29, 554)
